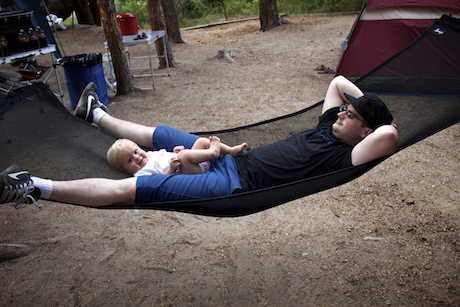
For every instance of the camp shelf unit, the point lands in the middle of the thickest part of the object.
(51, 48)
(132, 40)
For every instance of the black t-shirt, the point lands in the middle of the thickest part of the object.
(305, 154)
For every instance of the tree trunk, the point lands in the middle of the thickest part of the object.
(86, 14)
(157, 23)
(60, 8)
(225, 11)
(269, 17)
(115, 42)
(95, 12)
(78, 13)
(172, 22)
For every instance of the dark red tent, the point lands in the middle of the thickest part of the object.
(384, 27)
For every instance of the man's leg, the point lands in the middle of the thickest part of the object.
(89, 108)
(140, 134)
(16, 185)
(95, 192)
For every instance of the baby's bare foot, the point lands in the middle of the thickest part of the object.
(235, 150)
(214, 138)
(215, 145)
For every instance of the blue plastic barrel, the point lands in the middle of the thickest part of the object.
(79, 71)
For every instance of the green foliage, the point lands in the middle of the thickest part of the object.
(341, 5)
(68, 21)
(318, 6)
(193, 12)
(196, 12)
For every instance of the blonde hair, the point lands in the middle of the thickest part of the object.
(117, 148)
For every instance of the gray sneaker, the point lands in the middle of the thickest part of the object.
(16, 186)
(88, 102)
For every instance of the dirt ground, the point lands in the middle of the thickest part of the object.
(388, 238)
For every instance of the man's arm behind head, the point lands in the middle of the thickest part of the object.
(335, 96)
(382, 142)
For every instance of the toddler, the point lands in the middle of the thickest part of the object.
(127, 156)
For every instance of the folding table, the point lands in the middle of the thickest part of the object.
(132, 40)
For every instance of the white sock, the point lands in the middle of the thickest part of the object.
(98, 113)
(45, 186)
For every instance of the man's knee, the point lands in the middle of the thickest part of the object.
(128, 190)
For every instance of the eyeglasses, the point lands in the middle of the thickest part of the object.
(350, 115)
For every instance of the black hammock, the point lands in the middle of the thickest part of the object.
(49, 142)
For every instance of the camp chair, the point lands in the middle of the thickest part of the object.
(9, 80)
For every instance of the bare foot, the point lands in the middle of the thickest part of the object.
(235, 150)
(215, 145)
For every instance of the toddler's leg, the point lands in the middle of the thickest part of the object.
(234, 150)
(201, 143)
(189, 159)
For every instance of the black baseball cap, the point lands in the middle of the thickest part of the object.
(372, 109)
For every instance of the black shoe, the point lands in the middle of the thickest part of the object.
(15, 186)
(88, 102)
(30, 198)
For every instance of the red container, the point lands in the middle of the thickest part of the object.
(128, 23)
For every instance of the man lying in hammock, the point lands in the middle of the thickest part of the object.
(354, 129)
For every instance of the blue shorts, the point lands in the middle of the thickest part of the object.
(221, 180)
